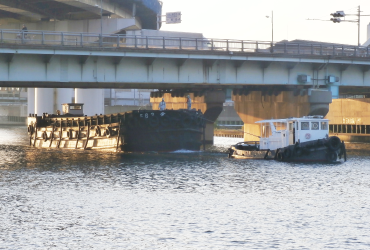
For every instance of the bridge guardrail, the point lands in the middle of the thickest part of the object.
(71, 39)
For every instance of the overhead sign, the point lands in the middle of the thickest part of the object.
(173, 17)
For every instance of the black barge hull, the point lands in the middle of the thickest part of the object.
(134, 131)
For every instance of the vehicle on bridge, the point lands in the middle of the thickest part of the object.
(302, 139)
(133, 131)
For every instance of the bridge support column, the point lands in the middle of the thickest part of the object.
(209, 102)
(44, 101)
(63, 96)
(31, 101)
(259, 105)
(93, 100)
(334, 91)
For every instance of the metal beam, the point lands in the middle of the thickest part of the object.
(16, 8)
(343, 67)
(149, 61)
(180, 62)
(83, 59)
(94, 7)
(208, 62)
(238, 63)
(265, 64)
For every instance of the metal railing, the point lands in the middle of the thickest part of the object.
(90, 40)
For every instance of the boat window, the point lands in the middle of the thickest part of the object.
(266, 130)
(324, 125)
(305, 125)
(75, 107)
(314, 125)
(280, 126)
(291, 126)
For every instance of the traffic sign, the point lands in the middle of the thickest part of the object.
(173, 17)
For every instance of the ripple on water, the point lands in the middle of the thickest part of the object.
(56, 199)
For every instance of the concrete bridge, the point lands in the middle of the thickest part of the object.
(268, 80)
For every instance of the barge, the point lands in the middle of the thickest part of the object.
(133, 131)
(304, 139)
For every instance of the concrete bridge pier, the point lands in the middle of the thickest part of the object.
(47, 100)
(209, 102)
(31, 101)
(44, 101)
(93, 100)
(254, 106)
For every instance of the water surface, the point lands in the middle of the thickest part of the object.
(55, 199)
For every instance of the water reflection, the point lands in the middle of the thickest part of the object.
(55, 199)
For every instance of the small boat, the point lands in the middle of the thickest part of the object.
(133, 131)
(302, 139)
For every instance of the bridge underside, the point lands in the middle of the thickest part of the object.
(31, 11)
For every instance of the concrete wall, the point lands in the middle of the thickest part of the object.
(349, 111)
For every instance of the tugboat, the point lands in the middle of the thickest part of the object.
(133, 131)
(302, 139)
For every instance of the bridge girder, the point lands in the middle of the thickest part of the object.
(160, 69)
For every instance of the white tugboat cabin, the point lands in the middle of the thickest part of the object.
(280, 133)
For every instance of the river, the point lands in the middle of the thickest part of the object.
(54, 199)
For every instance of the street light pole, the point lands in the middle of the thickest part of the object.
(101, 18)
(272, 29)
(358, 24)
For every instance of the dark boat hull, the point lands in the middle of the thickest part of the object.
(324, 150)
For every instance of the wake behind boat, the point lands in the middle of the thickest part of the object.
(293, 139)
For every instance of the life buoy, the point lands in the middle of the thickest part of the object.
(140, 122)
(97, 131)
(30, 129)
(44, 136)
(280, 156)
(165, 121)
(287, 153)
(154, 121)
(307, 136)
(231, 152)
(69, 134)
(198, 121)
(107, 132)
(334, 143)
(298, 151)
(331, 156)
(315, 125)
(186, 122)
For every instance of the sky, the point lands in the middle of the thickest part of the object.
(246, 19)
